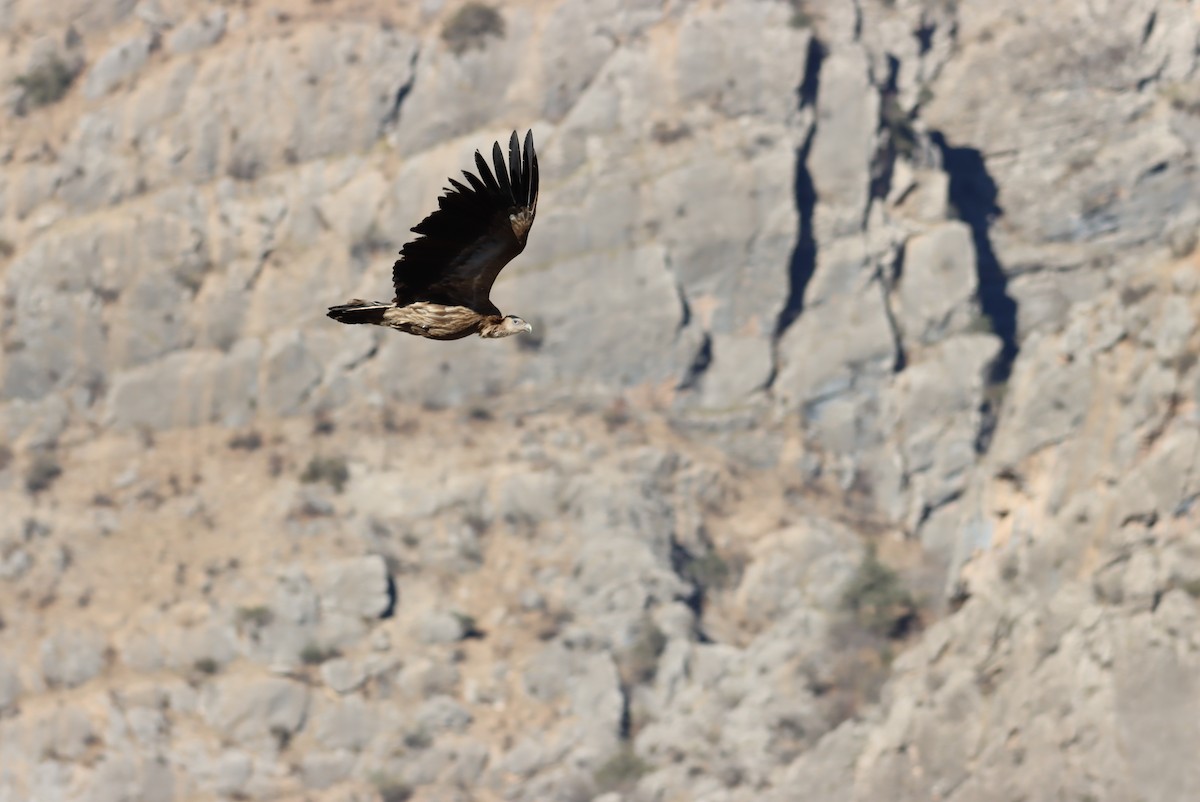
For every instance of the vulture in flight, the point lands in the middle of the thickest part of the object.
(444, 276)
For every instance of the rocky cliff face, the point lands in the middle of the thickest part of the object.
(856, 453)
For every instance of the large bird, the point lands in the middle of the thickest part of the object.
(444, 276)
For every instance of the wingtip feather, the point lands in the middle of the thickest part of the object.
(519, 179)
(476, 184)
(533, 170)
(502, 177)
(485, 173)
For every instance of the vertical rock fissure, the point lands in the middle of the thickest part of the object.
(625, 725)
(804, 257)
(1148, 28)
(896, 134)
(392, 118)
(973, 196)
(924, 35)
(700, 363)
(803, 262)
(685, 308)
(886, 284)
(896, 137)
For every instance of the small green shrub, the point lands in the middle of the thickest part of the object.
(323, 424)
(710, 571)
(666, 134)
(314, 654)
(801, 19)
(41, 473)
(390, 789)
(244, 166)
(1190, 586)
(980, 324)
(257, 616)
(639, 663)
(246, 441)
(899, 125)
(621, 772)
(470, 26)
(372, 242)
(551, 622)
(282, 736)
(206, 665)
(46, 83)
(1183, 96)
(479, 413)
(616, 414)
(418, 739)
(331, 470)
(878, 600)
(468, 624)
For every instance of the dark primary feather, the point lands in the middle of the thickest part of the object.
(467, 241)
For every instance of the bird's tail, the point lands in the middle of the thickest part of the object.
(359, 311)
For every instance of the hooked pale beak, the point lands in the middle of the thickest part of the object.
(528, 327)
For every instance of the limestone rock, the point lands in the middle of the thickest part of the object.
(116, 67)
(938, 284)
(342, 675)
(798, 569)
(344, 723)
(323, 770)
(842, 142)
(768, 236)
(440, 627)
(290, 373)
(254, 711)
(816, 367)
(595, 697)
(199, 33)
(210, 643)
(1049, 396)
(356, 587)
(187, 388)
(573, 59)
(72, 657)
(476, 82)
(936, 404)
(443, 714)
(1163, 481)
(749, 83)
(10, 686)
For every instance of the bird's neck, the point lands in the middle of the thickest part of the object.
(492, 326)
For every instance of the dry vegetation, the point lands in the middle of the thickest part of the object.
(45, 84)
(43, 470)
(331, 470)
(470, 26)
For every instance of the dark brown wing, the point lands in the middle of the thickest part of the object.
(474, 233)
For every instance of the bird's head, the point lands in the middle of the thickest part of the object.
(508, 326)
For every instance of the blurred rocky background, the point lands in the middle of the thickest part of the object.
(855, 454)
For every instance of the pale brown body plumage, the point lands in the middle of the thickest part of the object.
(444, 277)
(441, 322)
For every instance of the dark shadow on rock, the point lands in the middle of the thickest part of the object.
(804, 258)
(812, 73)
(896, 137)
(393, 594)
(973, 194)
(700, 363)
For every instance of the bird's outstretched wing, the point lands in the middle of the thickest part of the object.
(474, 233)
